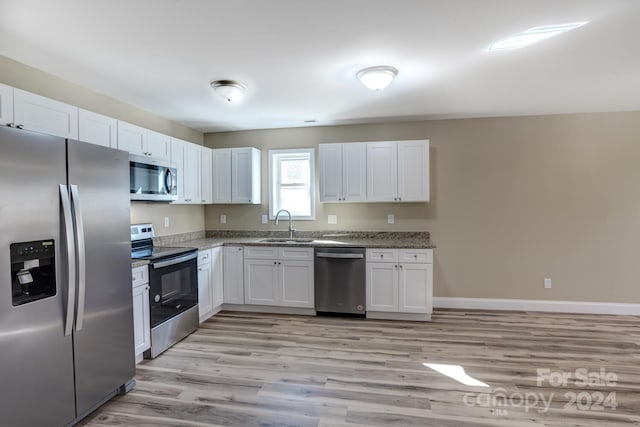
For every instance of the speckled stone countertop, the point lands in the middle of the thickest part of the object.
(211, 239)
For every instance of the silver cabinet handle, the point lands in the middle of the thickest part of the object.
(82, 259)
(71, 258)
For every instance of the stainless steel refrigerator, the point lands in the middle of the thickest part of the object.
(66, 322)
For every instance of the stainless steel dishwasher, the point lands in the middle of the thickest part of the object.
(340, 284)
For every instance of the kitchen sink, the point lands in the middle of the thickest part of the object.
(286, 240)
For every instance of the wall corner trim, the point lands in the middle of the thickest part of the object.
(538, 305)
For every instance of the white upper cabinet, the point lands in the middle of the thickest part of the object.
(343, 172)
(97, 129)
(221, 181)
(413, 171)
(206, 169)
(236, 175)
(143, 142)
(6, 104)
(158, 145)
(45, 115)
(185, 156)
(382, 171)
(398, 171)
(132, 138)
(245, 175)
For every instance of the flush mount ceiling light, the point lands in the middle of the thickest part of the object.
(230, 90)
(377, 78)
(533, 35)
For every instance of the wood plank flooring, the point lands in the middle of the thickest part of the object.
(247, 369)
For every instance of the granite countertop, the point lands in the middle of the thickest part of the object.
(139, 262)
(406, 240)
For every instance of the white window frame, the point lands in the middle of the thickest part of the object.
(273, 155)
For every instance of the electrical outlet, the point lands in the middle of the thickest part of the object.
(166, 221)
(547, 283)
(332, 219)
(391, 219)
(223, 219)
(265, 220)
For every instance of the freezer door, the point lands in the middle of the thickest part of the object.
(36, 358)
(103, 331)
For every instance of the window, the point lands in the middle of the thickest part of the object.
(292, 182)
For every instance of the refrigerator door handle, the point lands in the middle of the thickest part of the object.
(82, 271)
(71, 258)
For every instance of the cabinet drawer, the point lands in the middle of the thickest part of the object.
(300, 254)
(140, 275)
(416, 255)
(382, 255)
(204, 257)
(260, 252)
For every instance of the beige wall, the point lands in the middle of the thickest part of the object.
(19, 75)
(513, 200)
(182, 218)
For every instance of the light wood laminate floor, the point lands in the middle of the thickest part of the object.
(246, 369)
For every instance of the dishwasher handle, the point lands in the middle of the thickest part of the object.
(339, 255)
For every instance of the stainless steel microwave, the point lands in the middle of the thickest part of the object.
(152, 180)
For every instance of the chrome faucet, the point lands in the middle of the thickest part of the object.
(291, 229)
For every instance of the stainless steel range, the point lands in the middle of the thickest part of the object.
(173, 282)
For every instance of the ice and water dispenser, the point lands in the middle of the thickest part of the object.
(33, 273)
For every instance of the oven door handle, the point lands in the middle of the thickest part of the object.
(174, 261)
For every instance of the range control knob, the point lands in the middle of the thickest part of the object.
(157, 298)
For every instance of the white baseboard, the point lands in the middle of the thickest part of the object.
(269, 309)
(538, 305)
(381, 315)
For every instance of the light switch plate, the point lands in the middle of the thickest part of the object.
(265, 220)
(391, 219)
(223, 219)
(166, 221)
(332, 219)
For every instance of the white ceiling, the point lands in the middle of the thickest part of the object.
(299, 57)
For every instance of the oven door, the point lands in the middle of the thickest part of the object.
(173, 286)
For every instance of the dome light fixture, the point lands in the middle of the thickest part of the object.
(378, 77)
(230, 90)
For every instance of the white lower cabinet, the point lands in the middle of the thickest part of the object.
(278, 276)
(209, 282)
(233, 272)
(400, 281)
(141, 316)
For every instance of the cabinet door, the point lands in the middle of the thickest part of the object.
(354, 172)
(233, 282)
(191, 174)
(205, 302)
(158, 145)
(382, 171)
(415, 288)
(221, 159)
(413, 171)
(382, 286)
(260, 277)
(296, 284)
(97, 129)
(141, 319)
(131, 138)
(330, 171)
(216, 277)
(6, 104)
(44, 115)
(245, 175)
(206, 179)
